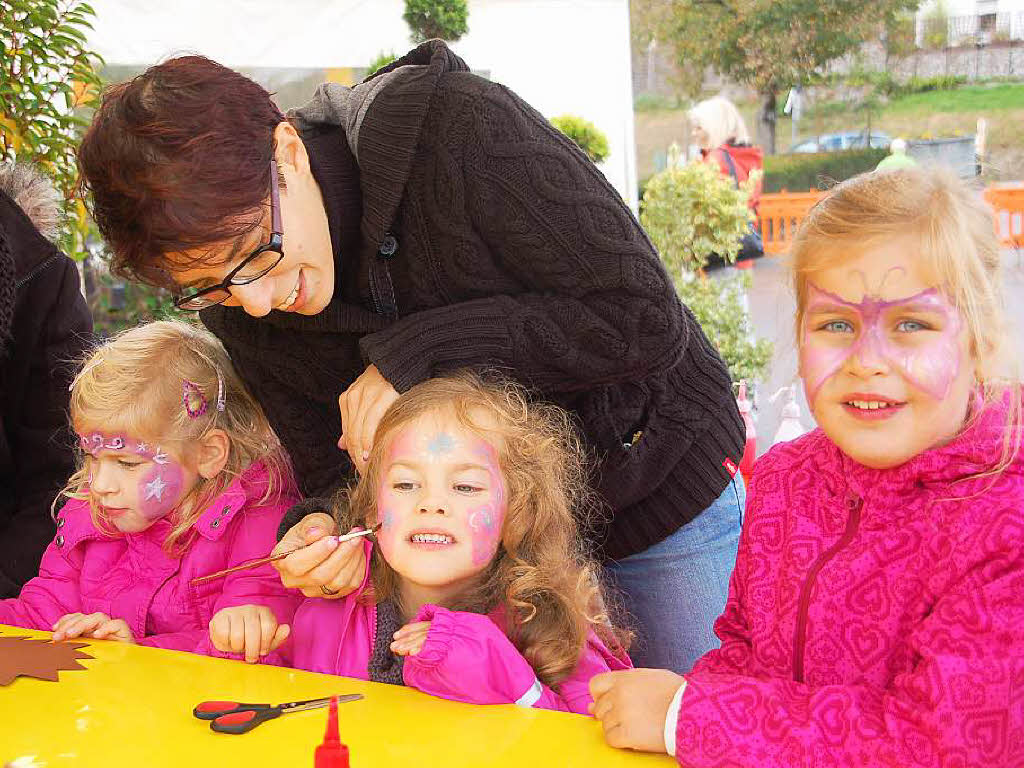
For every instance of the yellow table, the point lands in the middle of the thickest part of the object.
(132, 706)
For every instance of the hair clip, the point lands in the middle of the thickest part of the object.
(190, 392)
(220, 391)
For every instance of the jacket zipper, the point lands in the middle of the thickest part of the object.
(854, 504)
(39, 268)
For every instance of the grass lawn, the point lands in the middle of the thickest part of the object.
(971, 98)
(931, 114)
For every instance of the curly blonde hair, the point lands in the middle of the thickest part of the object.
(133, 384)
(953, 228)
(541, 575)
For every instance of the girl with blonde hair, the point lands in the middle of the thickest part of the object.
(874, 614)
(180, 476)
(479, 588)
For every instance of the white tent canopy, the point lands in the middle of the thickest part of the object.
(562, 56)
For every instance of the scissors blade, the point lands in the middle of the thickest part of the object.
(298, 706)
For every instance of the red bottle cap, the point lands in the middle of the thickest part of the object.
(332, 753)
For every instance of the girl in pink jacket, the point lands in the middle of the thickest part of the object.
(876, 610)
(181, 476)
(478, 590)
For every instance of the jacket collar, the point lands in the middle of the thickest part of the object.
(211, 524)
(974, 451)
(23, 252)
(391, 129)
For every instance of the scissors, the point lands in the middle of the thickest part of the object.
(238, 717)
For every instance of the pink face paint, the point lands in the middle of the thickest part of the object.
(487, 521)
(930, 366)
(159, 489)
(95, 442)
(483, 517)
(387, 519)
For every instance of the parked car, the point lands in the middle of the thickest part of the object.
(834, 142)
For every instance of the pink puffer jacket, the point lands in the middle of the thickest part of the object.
(875, 617)
(131, 577)
(466, 656)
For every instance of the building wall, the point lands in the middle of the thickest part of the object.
(561, 56)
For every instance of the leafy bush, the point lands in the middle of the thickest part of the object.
(800, 172)
(446, 19)
(48, 74)
(917, 84)
(691, 212)
(717, 303)
(381, 61)
(585, 134)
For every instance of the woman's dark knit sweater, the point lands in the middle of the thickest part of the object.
(470, 233)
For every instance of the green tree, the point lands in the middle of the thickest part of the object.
(936, 26)
(769, 45)
(48, 75)
(382, 60)
(446, 19)
(584, 134)
(690, 213)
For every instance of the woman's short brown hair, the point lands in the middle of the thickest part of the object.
(177, 158)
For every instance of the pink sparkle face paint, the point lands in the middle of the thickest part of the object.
(440, 501)
(487, 520)
(930, 362)
(159, 488)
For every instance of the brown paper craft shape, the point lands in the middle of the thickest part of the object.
(42, 659)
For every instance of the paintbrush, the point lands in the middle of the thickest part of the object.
(272, 558)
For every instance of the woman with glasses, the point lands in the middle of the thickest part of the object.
(424, 221)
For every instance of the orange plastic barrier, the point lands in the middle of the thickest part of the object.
(1008, 205)
(779, 215)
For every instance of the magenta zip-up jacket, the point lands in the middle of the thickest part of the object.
(131, 577)
(875, 617)
(466, 656)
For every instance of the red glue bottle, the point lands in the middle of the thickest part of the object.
(332, 753)
(750, 445)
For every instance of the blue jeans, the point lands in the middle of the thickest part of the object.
(674, 590)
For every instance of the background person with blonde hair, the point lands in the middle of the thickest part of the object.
(718, 129)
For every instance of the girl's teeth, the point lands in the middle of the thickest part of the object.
(431, 538)
(868, 405)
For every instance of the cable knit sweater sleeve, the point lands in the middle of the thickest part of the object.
(596, 306)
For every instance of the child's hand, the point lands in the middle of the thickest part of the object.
(95, 625)
(632, 704)
(322, 567)
(410, 638)
(249, 629)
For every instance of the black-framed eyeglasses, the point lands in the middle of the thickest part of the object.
(253, 267)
